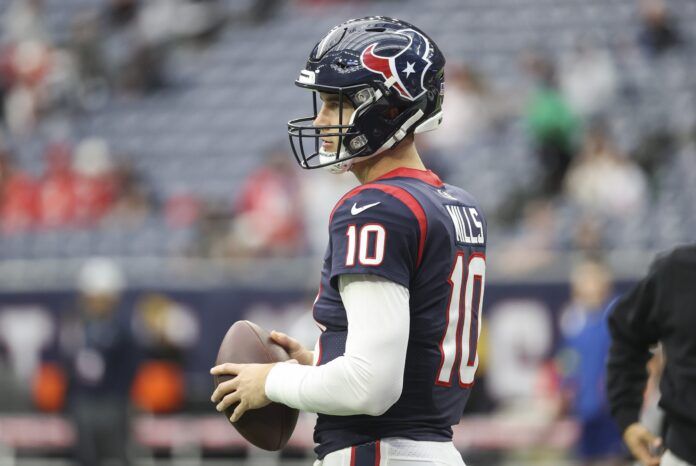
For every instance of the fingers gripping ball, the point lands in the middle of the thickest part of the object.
(269, 427)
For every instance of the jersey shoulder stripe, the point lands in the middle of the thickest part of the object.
(426, 176)
(405, 198)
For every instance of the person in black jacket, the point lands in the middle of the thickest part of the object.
(660, 308)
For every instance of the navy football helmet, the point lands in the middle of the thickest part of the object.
(392, 74)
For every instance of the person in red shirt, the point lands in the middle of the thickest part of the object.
(268, 217)
(18, 197)
(57, 191)
(94, 187)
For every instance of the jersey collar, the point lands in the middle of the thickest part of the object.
(427, 176)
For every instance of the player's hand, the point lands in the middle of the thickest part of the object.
(642, 444)
(294, 348)
(248, 387)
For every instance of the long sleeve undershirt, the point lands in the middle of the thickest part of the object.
(368, 378)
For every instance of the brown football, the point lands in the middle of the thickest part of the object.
(269, 427)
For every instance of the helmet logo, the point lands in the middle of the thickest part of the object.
(406, 69)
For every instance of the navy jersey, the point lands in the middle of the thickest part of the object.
(412, 229)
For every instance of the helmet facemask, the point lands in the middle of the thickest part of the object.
(351, 142)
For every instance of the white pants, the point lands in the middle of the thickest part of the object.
(398, 452)
(668, 459)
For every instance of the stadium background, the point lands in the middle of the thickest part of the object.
(143, 155)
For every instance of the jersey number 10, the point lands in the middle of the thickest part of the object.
(463, 320)
(370, 233)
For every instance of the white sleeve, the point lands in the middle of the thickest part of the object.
(368, 378)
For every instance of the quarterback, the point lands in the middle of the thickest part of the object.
(399, 302)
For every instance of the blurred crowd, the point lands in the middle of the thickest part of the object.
(121, 49)
(101, 359)
(107, 354)
(79, 188)
(567, 109)
(118, 47)
(117, 50)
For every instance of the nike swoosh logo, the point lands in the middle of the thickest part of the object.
(355, 210)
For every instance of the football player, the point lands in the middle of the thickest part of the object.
(399, 302)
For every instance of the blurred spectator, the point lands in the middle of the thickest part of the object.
(86, 44)
(552, 125)
(38, 79)
(136, 65)
(653, 153)
(268, 219)
(20, 110)
(29, 62)
(60, 89)
(213, 228)
(532, 244)
(87, 191)
(466, 110)
(659, 32)
(28, 65)
(262, 10)
(143, 73)
(604, 182)
(97, 349)
(588, 80)
(133, 203)
(164, 330)
(57, 188)
(18, 197)
(659, 309)
(588, 239)
(25, 330)
(24, 21)
(163, 327)
(5, 82)
(95, 186)
(122, 13)
(159, 25)
(582, 360)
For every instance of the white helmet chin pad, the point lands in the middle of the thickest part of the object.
(342, 166)
(337, 168)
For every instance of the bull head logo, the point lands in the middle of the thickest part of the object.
(405, 70)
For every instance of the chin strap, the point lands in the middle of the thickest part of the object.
(401, 132)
